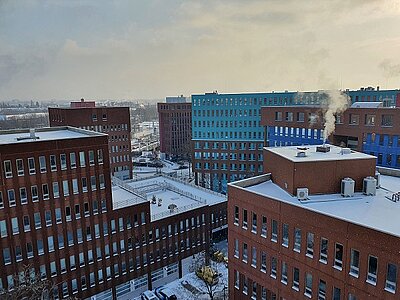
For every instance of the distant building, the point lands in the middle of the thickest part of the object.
(318, 225)
(114, 121)
(227, 135)
(365, 126)
(95, 238)
(175, 119)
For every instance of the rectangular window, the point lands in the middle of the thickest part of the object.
(82, 159)
(75, 188)
(336, 293)
(237, 278)
(53, 163)
(48, 217)
(20, 167)
(254, 223)
(6, 256)
(93, 183)
(322, 290)
(369, 120)
(274, 234)
(296, 279)
(15, 226)
(68, 213)
(50, 243)
(263, 262)
(91, 157)
(274, 263)
(354, 262)
(42, 164)
(58, 215)
(308, 285)
(11, 198)
(284, 273)
(1, 200)
(285, 235)
(264, 227)
(45, 191)
(387, 121)
(245, 285)
(31, 165)
(72, 160)
(244, 253)
(60, 241)
(244, 223)
(101, 181)
(278, 116)
(236, 220)
(56, 190)
(310, 244)
(354, 119)
(297, 240)
(23, 195)
(65, 188)
(8, 169)
(236, 250)
(300, 117)
(391, 278)
(254, 257)
(38, 222)
(338, 264)
(3, 229)
(100, 156)
(323, 255)
(372, 269)
(84, 184)
(63, 161)
(34, 193)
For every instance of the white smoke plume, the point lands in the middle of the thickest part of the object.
(335, 102)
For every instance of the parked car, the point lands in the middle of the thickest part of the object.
(165, 293)
(148, 295)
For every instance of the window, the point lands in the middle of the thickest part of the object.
(75, 188)
(65, 188)
(3, 229)
(91, 157)
(274, 263)
(245, 285)
(323, 255)
(82, 159)
(6, 256)
(50, 243)
(56, 190)
(387, 120)
(310, 244)
(40, 247)
(369, 120)
(245, 253)
(45, 191)
(289, 116)
(100, 156)
(263, 262)
(284, 273)
(38, 222)
(244, 224)
(23, 195)
(254, 257)
(236, 220)
(336, 293)
(354, 119)
(63, 161)
(68, 213)
(254, 223)
(31, 165)
(15, 226)
(297, 240)
(391, 278)
(20, 167)
(84, 184)
(296, 279)
(11, 198)
(338, 264)
(354, 262)
(101, 181)
(352, 297)
(278, 116)
(8, 169)
(236, 250)
(285, 235)
(42, 271)
(274, 234)
(53, 163)
(93, 183)
(1, 200)
(237, 276)
(372, 269)
(63, 266)
(254, 291)
(300, 117)
(322, 290)
(34, 193)
(72, 160)
(42, 164)
(308, 285)
(48, 217)
(264, 227)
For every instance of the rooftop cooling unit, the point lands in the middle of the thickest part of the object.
(302, 194)
(369, 186)
(378, 179)
(347, 188)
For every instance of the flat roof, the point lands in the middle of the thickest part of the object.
(374, 212)
(335, 153)
(182, 194)
(44, 134)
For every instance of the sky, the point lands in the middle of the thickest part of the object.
(147, 49)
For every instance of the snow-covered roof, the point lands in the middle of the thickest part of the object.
(335, 153)
(375, 212)
(367, 105)
(44, 134)
(172, 191)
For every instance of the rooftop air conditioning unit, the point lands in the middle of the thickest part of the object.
(347, 188)
(378, 179)
(302, 194)
(345, 151)
(369, 186)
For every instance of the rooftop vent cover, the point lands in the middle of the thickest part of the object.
(323, 149)
(302, 194)
(369, 186)
(378, 179)
(345, 151)
(347, 187)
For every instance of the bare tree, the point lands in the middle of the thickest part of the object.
(27, 284)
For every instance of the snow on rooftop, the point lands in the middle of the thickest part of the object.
(375, 212)
(335, 153)
(185, 196)
(44, 134)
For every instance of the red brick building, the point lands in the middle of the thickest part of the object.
(60, 214)
(114, 121)
(304, 231)
(175, 121)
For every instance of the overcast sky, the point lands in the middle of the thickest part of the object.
(155, 48)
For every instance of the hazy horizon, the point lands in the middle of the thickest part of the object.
(148, 50)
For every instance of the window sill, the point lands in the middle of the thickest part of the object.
(390, 290)
(310, 256)
(322, 261)
(354, 275)
(371, 282)
(308, 295)
(338, 268)
(295, 288)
